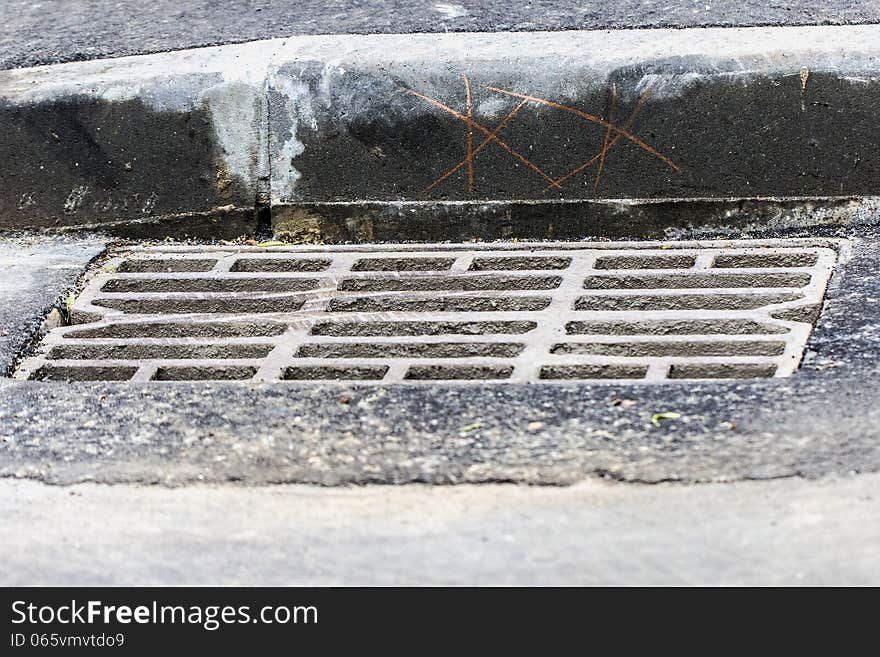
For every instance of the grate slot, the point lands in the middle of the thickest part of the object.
(464, 283)
(593, 372)
(676, 327)
(157, 351)
(263, 265)
(410, 350)
(175, 306)
(148, 285)
(756, 260)
(646, 262)
(667, 302)
(329, 372)
(672, 281)
(808, 314)
(511, 263)
(69, 373)
(439, 304)
(178, 330)
(205, 373)
(369, 329)
(458, 372)
(721, 370)
(166, 265)
(403, 264)
(666, 349)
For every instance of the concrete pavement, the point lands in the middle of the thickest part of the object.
(783, 532)
(37, 271)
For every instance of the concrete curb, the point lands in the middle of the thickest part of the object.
(563, 135)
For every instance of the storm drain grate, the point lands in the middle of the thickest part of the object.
(511, 312)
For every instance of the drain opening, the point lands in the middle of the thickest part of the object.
(337, 373)
(520, 262)
(439, 304)
(593, 372)
(174, 306)
(721, 371)
(677, 327)
(148, 285)
(204, 373)
(177, 265)
(370, 329)
(179, 330)
(403, 264)
(806, 314)
(758, 260)
(157, 351)
(646, 262)
(269, 265)
(425, 350)
(685, 302)
(665, 281)
(449, 283)
(84, 373)
(664, 349)
(458, 372)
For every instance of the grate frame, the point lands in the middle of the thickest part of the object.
(335, 277)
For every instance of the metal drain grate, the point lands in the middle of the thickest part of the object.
(513, 312)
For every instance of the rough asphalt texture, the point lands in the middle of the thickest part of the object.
(791, 532)
(35, 33)
(823, 420)
(35, 273)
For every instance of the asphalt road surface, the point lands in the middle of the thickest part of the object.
(52, 31)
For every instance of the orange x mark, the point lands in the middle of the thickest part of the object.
(491, 136)
(622, 132)
(608, 144)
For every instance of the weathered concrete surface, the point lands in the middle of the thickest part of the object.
(733, 113)
(36, 272)
(824, 419)
(36, 33)
(791, 532)
(78, 161)
(140, 141)
(321, 127)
